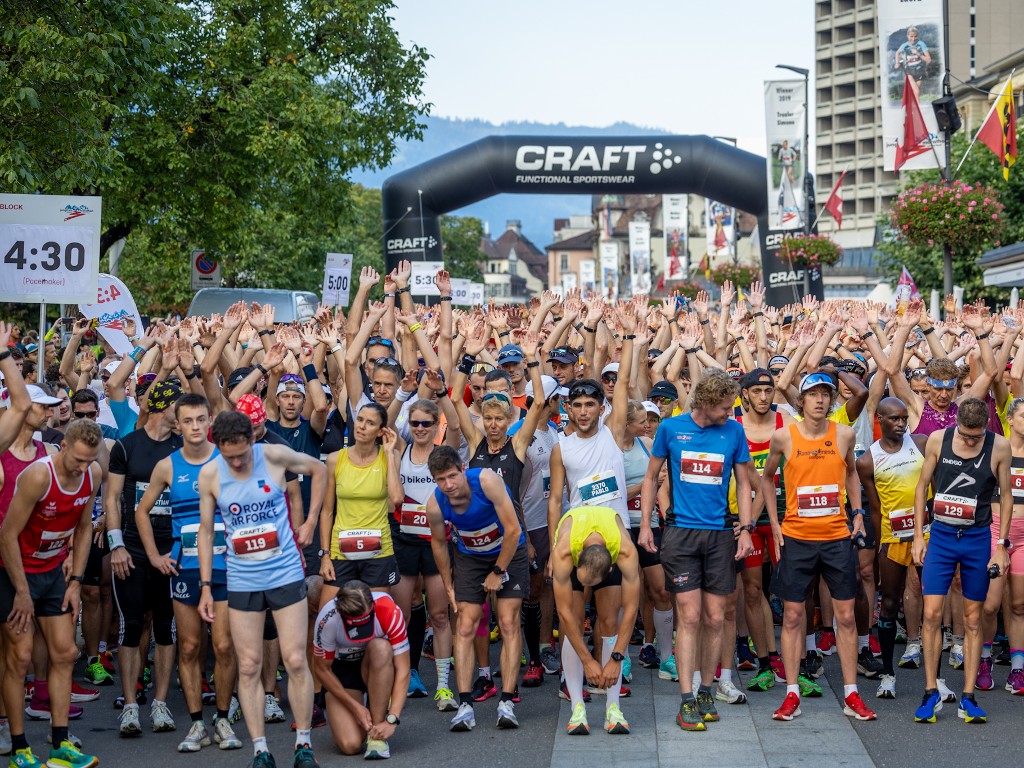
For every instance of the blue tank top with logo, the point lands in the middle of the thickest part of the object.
(262, 552)
(184, 494)
(479, 532)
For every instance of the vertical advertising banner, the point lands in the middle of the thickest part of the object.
(721, 229)
(569, 282)
(588, 278)
(784, 282)
(610, 269)
(784, 102)
(639, 257)
(675, 220)
(910, 44)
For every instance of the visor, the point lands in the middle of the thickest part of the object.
(359, 629)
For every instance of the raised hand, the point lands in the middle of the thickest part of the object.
(186, 359)
(529, 342)
(728, 293)
(912, 314)
(756, 295)
(291, 340)
(86, 361)
(443, 282)
(701, 303)
(403, 273)
(595, 310)
(433, 380)
(476, 342)
(859, 319)
(368, 277)
(234, 316)
(170, 355)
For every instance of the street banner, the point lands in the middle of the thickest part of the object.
(910, 54)
(675, 221)
(588, 278)
(460, 291)
(720, 229)
(784, 282)
(50, 245)
(569, 281)
(610, 269)
(110, 307)
(784, 128)
(639, 257)
(337, 279)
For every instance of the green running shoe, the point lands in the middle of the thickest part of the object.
(808, 688)
(689, 717)
(762, 681)
(67, 755)
(97, 674)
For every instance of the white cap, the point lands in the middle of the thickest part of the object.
(651, 408)
(549, 383)
(112, 366)
(610, 368)
(39, 396)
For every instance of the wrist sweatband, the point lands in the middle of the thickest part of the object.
(137, 354)
(309, 372)
(705, 322)
(758, 314)
(401, 395)
(981, 336)
(115, 539)
(407, 289)
(261, 369)
(534, 364)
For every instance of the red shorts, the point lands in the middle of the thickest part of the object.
(763, 541)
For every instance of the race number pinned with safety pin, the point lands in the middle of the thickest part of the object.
(359, 544)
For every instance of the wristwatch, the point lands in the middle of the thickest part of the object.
(322, 552)
(859, 512)
(391, 719)
(749, 528)
(1006, 543)
(616, 656)
(497, 570)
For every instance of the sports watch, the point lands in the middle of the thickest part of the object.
(616, 656)
(497, 570)
(1007, 544)
(391, 719)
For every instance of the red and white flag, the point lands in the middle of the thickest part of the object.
(834, 204)
(915, 131)
(907, 279)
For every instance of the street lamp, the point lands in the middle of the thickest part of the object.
(804, 73)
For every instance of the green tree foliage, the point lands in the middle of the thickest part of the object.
(461, 236)
(925, 263)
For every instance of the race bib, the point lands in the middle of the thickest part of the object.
(52, 543)
(256, 543)
(413, 520)
(1017, 482)
(902, 523)
(190, 540)
(817, 500)
(954, 510)
(599, 489)
(484, 540)
(161, 508)
(360, 544)
(701, 468)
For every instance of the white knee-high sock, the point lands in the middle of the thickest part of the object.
(606, 655)
(663, 626)
(572, 668)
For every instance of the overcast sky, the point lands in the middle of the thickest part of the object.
(686, 67)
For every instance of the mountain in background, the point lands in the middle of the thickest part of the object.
(536, 212)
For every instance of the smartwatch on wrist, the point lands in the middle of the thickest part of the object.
(497, 570)
(616, 656)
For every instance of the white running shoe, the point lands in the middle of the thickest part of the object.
(886, 687)
(507, 715)
(196, 739)
(465, 719)
(377, 749)
(128, 724)
(729, 693)
(160, 718)
(947, 695)
(224, 734)
(272, 712)
(445, 700)
(911, 658)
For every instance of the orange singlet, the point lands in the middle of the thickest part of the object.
(815, 488)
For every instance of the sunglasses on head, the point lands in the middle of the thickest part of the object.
(496, 395)
(918, 372)
(292, 377)
(585, 390)
(380, 340)
(387, 361)
(421, 424)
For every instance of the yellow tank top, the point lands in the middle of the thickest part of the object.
(896, 476)
(588, 520)
(361, 530)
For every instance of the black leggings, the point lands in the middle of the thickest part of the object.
(145, 589)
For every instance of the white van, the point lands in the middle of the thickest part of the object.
(289, 305)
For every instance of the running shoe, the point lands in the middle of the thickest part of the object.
(160, 718)
(690, 717)
(984, 681)
(24, 758)
(428, 646)
(614, 721)
(868, 665)
(947, 638)
(272, 712)
(931, 703)
(140, 697)
(729, 693)
(128, 723)
(465, 719)
(533, 676)
(304, 758)
(417, 690)
(263, 760)
(649, 658)
(956, 656)
(810, 666)
(507, 715)
(901, 631)
(445, 700)
(762, 681)
(627, 670)
(578, 725)
(147, 677)
(854, 706)
(39, 709)
(944, 691)
(209, 696)
(67, 755)
(483, 689)
(790, 708)
(30, 689)
(80, 694)
(745, 658)
(886, 687)
(224, 734)
(107, 660)
(827, 642)
(1015, 682)
(5, 737)
(377, 749)
(196, 739)
(778, 668)
(668, 671)
(1003, 656)
(970, 712)
(563, 693)
(624, 691)
(97, 674)
(808, 688)
(876, 649)
(234, 710)
(911, 658)
(706, 706)
(550, 660)
(495, 633)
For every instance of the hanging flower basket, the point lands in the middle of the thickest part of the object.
(742, 275)
(965, 217)
(811, 251)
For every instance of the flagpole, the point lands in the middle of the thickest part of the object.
(982, 123)
(823, 208)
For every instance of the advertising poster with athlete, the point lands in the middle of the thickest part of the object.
(910, 45)
(610, 269)
(639, 257)
(588, 278)
(784, 129)
(721, 230)
(675, 220)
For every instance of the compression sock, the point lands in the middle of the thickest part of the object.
(811, 643)
(663, 621)
(417, 631)
(887, 641)
(986, 650)
(1016, 658)
(443, 667)
(572, 668)
(531, 630)
(606, 654)
(259, 745)
(862, 642)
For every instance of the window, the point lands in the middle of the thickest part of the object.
(563, 262)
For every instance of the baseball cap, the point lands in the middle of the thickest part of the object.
(510, 353)
(565, 355)
(734, 373)
(112, 366)
(252, 407)
(651, 408)
(778, 361)
(38, 395)
(550, 386)
(610, 368)
(757, 377)
(812, 380)
(162, 396)
(663, 389)
(359, 629)
(237, 376)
